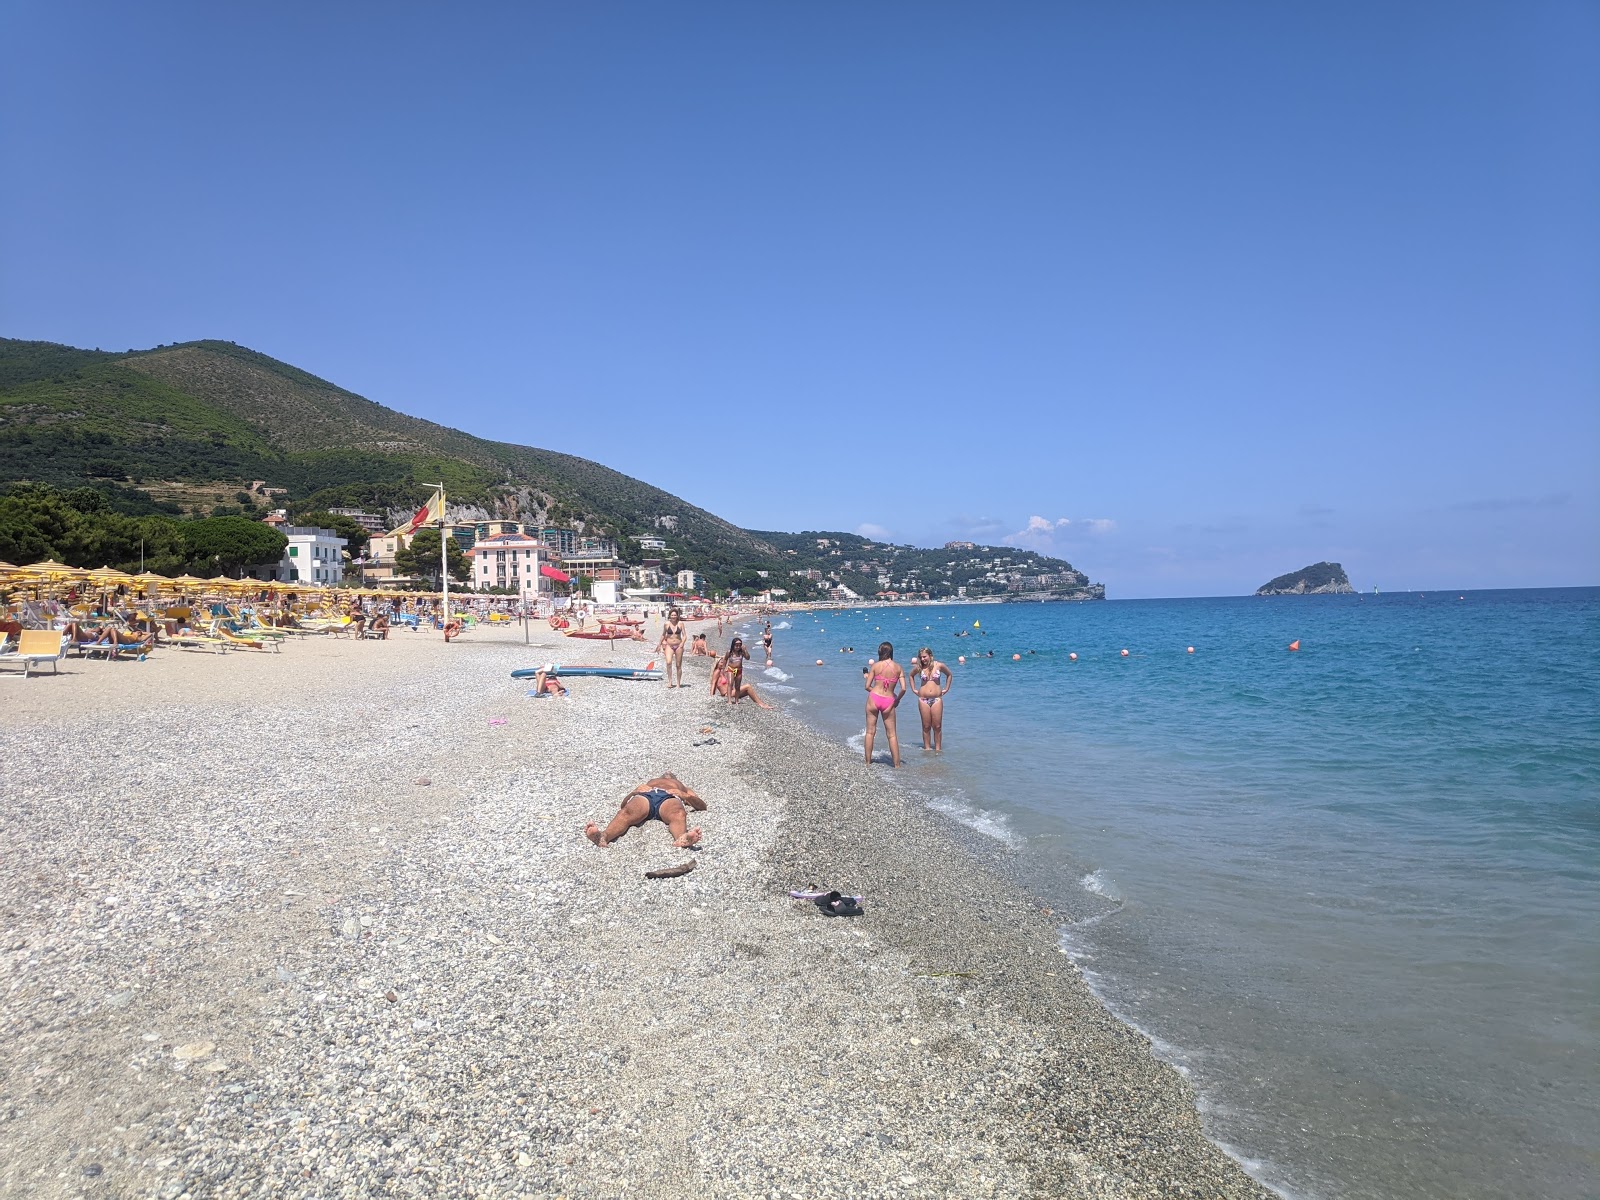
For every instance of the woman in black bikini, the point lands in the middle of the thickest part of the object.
(727, 676)
(933, 680)
(666, 798)
(766, 642)
(671, 646)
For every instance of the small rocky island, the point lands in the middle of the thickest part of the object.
(1319, 579)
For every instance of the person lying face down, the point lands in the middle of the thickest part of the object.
(666, 798)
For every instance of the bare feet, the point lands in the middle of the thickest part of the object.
(692, 838)
(593, 833)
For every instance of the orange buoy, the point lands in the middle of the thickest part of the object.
(1295, 645)
(1073, 656)
(1124, 654)
(1190, 650)
(1016, 658)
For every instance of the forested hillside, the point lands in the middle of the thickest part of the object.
(193, 424)
(187, 430)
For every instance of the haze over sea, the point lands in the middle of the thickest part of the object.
(1352, 891)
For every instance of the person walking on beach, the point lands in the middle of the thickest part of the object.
(673, 633)
(666, 798)
(766, 642)
(886, 686)
(932, 680)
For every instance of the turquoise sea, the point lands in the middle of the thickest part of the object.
(1352, 891)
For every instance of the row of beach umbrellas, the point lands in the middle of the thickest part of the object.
(51, 574)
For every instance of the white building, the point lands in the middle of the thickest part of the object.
(650, 542)
(312, 556)
(689, 581)
(516, 561)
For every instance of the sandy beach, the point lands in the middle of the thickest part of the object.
(248, 951)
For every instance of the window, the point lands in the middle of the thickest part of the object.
(294, 551)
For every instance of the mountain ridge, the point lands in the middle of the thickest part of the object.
(199, 422)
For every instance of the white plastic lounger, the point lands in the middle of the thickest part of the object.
(38, 646)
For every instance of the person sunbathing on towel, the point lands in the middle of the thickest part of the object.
(545, 682)
(666, 798)
(107, 635)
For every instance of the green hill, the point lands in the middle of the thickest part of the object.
(189, 428)
(197, 422)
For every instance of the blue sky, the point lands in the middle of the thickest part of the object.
(1190, 294)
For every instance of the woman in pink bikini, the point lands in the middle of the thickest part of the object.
(886, 684)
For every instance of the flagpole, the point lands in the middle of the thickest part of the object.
(444, 562)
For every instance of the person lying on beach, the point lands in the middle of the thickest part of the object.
(545, 682)
(666, 798)
(107, 635)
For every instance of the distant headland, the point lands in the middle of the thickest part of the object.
(1319, 579)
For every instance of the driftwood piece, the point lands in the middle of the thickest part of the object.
(671, 872)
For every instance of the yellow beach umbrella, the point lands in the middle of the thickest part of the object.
(50, 569)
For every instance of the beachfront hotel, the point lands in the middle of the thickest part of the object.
(516, 561)
(312, 556)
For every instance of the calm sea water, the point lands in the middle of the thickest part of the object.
(1352, 891)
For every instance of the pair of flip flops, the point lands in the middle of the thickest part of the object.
(831, 904)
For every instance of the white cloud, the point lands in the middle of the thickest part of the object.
(970, 527)
(876, 532)
(1042, 532)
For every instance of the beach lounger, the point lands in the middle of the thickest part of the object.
(38, 646)
(262, 645)
(194, 641)
(114, 648)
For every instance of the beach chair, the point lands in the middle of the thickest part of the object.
(115, 648)
(195, 641)
(263, 645)
(38, 646)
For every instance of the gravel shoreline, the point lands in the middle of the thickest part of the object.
(248, 953)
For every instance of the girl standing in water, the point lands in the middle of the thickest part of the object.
(932, 680)
(886, 685)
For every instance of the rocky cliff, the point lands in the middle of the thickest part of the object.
(1319, 579)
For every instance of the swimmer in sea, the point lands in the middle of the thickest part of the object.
(932, 680)
(886, 686)
(666, 798)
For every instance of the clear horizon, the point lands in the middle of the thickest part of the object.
(1189, 297)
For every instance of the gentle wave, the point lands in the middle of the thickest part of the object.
(990, 824)
(1100, 884)
(776, 673)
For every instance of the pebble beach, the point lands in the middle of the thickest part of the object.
(324, 924)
